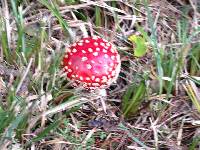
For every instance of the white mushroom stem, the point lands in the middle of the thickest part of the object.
(102, 95)
(102, 92)
(103, 104)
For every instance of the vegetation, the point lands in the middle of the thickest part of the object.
(155, 103)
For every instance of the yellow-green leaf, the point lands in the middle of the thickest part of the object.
(140, 45)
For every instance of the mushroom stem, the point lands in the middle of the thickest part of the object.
(103, 104)
(102, 94)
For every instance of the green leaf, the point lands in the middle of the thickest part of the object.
(140, 43)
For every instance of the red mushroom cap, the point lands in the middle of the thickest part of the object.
(92, 62)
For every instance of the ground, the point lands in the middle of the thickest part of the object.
(155, 102)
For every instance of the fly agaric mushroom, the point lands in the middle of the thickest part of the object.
(92, 62)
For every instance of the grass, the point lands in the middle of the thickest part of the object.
(155, 103)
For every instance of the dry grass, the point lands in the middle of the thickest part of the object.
(44, 112)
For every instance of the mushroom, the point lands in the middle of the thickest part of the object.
(92, 62)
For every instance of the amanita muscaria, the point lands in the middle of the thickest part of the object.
(92, 62)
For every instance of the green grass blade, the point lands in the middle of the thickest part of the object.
(189, 88)
(4, 39)
(98, 18)
(4, 43)
(14, 124)
(195, 60)
(122, 127)
(194, 143)
(135, 100)
(46, 131)
(6, 119)
(54, 10)
(21, 46)
(194, 80)
(157, 51)
(127, 96)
